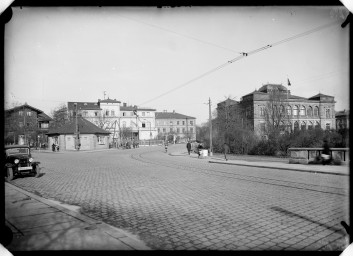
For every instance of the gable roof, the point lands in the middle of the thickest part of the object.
(42, 117)
(24, 106)
(172, 115)
(84, 126)
(109, 101)
(319, 96)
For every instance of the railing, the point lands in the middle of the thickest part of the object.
(342, 153)
(150, 142)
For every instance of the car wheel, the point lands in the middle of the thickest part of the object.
(9, 174)
(36, 171)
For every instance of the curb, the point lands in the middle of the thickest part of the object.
(280, 168)
(118, 234)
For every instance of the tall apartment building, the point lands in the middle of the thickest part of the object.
(302, 113)
(172, 125)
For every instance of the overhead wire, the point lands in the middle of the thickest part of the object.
(243, 55)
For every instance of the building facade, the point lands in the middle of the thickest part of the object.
(26, 125)
(175, 127)
(342, 120)
(297, 112)
(110, 115)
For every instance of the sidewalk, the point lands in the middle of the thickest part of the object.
(41, 224)
(280, 165)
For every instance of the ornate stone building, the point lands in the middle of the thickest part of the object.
(299, 112)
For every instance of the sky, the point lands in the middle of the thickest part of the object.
(173, 58)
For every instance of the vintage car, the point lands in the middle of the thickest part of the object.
(18, 161)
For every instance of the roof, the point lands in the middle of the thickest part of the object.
(131, 108)
(267, 87)
(42, 117)
(342, 113)
(172, 115)
(109, 101)
(24, 106)
(318, 96)
(83, 106)
(84, 126)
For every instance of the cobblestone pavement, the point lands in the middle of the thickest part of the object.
(185, 203)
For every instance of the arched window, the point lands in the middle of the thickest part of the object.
(282, 111)
(295, 110)
(289, 127)
(310, 125)
(316, 111)
(289, 110)
(303, 125)
(302, 111)
(310, 111)
(317, 124)
(296, 125)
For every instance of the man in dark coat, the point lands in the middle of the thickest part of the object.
(326, 157)
(225, 150)
(188, 146)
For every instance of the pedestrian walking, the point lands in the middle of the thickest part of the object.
(199, 148)
(53, 147)
(166, 146)
(188, 146)
(225, 150)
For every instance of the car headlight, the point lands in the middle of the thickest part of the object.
(17, 161)
(30, 160)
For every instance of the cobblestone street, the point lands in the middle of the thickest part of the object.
(185, 203)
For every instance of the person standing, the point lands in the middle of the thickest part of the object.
(166, 146)
(188, 146)
(199, 148)
(225, 150)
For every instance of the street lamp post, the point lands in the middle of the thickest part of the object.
(76, 130)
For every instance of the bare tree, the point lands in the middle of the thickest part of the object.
(60, 116)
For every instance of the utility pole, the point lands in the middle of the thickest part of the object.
(210, 117)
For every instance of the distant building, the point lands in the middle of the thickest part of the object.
(342, 120)
(91, 137)
(172, 125)
(113, 117)
(26, 125)
(302, 113)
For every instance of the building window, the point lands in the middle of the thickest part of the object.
(183, 129)
(171, 122)
(28, 124)
(289, 110)
(327, 126)
(262, 111)
(159, 130)
(131, 113)
(171, 129)
(327, 113)
(302, 111)
(148, 114)
(96, 113)
(177, 122)
(143, 125)
(29, 113)
(107, 112)
(310, 111)
(317, 124)
(112, 113)
(310, 125)
(316, 111)
(282, 110)
(262, 127)
(296, 125)
(44, 125)
(143, 113)
(124, 114)
(85, 113)
(191, 130)
(183, 122)
(164, 130)
(191, 123)
(100, 140)
(295, 111)
(178, 130)
(303, 126)
(20, 113)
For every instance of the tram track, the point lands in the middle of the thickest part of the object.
(231, 175)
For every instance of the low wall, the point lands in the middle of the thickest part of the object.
(310, 153)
